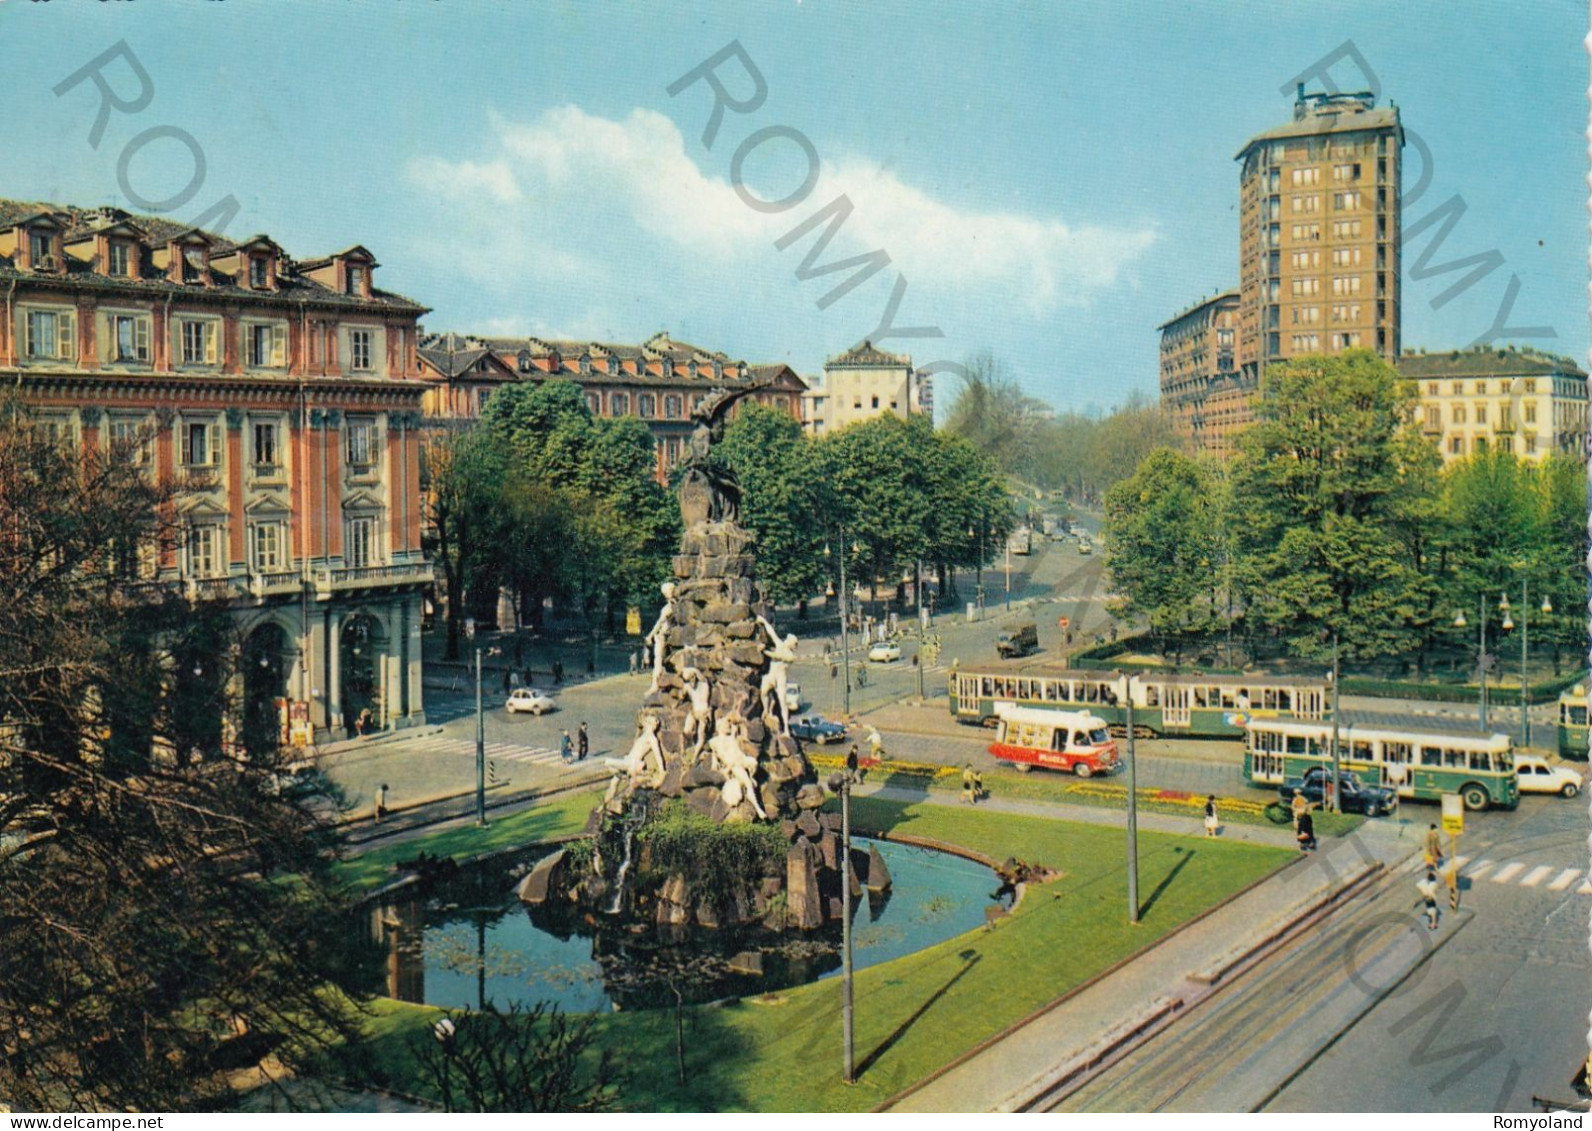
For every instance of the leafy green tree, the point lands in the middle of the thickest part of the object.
(463, 486)
(1316, 501)
(781, 502)
(1558, 560)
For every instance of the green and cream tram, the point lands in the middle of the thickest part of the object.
(1421, 759)
(1216, 706)
(1572, 724)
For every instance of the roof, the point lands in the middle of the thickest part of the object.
(1041, 716)
(292, 285)
(1485, 362)
(1345, 119)
(1223, 296)
(867, 354)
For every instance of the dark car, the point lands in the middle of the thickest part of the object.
(816, 728)
(1358, 797)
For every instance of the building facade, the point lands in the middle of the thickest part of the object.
(1517, 400)
(1198, 356)
(283, 398)
(660, 381)
(865, 382)
(1319, 232)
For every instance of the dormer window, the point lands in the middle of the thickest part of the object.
(193, 265)
(119, 259)
(40, 247)
(257, 272)
(585, 365)
(668, 367)
(356, 279)
(718, 370)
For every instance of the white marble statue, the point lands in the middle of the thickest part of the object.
(644, 764)
(699, 725)
(781, 654)
(731, 759)
(658, 638)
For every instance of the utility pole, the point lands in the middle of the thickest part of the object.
(480, 747)
(1133, 804)
(840, 782)
(1337, 679)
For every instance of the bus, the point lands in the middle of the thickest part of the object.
(1021, 541)
(1213, 706)
(1419, 758)
(1072, 741)
(1572, 724)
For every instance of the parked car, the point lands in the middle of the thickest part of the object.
(1358, 797)
(884, 653)
(793, 695)
(528, 700)
(1020, 641)
(816, 728)
(1060, 534)
(1538, 775)
(1085, 546)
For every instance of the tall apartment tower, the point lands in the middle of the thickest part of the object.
(1319, 233)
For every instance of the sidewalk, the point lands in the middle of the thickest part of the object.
(1003, 1071)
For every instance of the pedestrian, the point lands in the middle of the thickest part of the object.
(566, 748)
(506, 683)
(978, 787)
(632, 663)
(514, 678)
(381, 802)
(558, 672)
(1069, 638)
(591, 665)
(1434, 846)
(1451, 878)
(1211, 824)
(1307, 832)
(1301, 806)
(362, 724)
(875, 746)
(968, 780)
(1427, 886)
(582, 743)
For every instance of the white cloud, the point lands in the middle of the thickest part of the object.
(593, 202)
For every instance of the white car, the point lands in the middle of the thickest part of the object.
(528, 699)
(884, 653)
(1538, 775)
(793, 695)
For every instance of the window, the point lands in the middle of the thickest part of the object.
(356, 279)
(1459, 414)
(1346, 341)
(1531, 443)
(359, 443)
(1345, 257)
(1306, 286)
(1306, 315)
(52, 334)
(360, 544)
(594, 402)
(1458, 388)
(671, 407)
(619, 403)
(1306, 176)
(265, 346)
(120, 259)
(1456, 446)
(1306, 342)
(1345, 284)
(1345, 229)
(199, 446)
(1346, 172)
(1531, 384)
(265, 547)
(204, 551)
(265, 455)
(1434, 418)
(129, 337)
(257, 275)
(193, 265)
(39, 249)
(198, 342)
(1481, 388)
(1302, 259)
(1530, 410)
(1345, 200)
(359, 349)
(1481, 414)
(129, 441)
(55, 431)
(648, 404)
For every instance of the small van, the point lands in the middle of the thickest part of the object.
(1023, 640)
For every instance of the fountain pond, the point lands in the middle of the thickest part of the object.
(469, 941)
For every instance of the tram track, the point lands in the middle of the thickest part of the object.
(1234, 1043)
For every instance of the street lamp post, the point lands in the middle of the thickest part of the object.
(845, 634)
(1483, 660)
(1508, 623)
(1337, 678)
(1126, 683)
(841, 782)
(480, 729)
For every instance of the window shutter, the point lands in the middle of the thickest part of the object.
(209, 332)
(66, 335)
(187, 442)
(141, 338)
(31, 320)
(212, 445)
(278, 345)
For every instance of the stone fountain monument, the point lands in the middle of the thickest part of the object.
(713, 734)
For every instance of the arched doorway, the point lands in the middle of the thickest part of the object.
(362, 664)
(265, 667)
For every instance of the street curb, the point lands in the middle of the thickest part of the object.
(1023, 1022)
(1140, 1026)
(494, 802)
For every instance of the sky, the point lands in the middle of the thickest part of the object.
(1047, 182)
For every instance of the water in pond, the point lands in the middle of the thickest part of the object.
(474, 942)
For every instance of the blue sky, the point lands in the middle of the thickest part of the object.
(1052, 181)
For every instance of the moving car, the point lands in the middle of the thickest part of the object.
(1085, 546)
(1358, 797)
(884, 653)
(816, 728)
(1022, 640)
(1538, 775)
(793, 695)
(1070, 741)
(528, 700)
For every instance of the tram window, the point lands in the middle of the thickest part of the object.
(1152, 695)
(1395, 752)
(1199, 697)
(989, 688)
(1048, 689)
(1297, 744)
(1577, 713)
(1268, 698)
(1241, 699)
(1431, 756)
(1022, 689)
(1285, 700)
(1504, 760)
(1361, 751)
(1480, 762)
(1453, 759)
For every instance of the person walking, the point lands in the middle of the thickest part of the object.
(632, 663)
(1307, 832)
(1301, 806)
(875, 746)
(969, 779)
(1427, 886)
(381, 802)
(566, 748)
(507, 683)
(978, 787)
(1434, 846)
(558, 672)
(582, 743)
(1211, 822)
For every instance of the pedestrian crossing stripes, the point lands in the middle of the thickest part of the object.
(500, 751)
(1524, 875)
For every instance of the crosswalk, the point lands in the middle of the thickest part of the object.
(499, 755)
(1519, 874)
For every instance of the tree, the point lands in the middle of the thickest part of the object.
(992, 412)
(464, 482)
(1316, 495)
(1165, 547)
(535, 1060)
(1558, 562)
(781, 501)
(166, 910)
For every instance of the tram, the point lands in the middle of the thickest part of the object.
(1216, 706)
(1420, 759)
(1572, 724)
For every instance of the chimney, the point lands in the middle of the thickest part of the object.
(1300, 95)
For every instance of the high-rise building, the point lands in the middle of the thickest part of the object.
(1198, 352)
(1318, 254)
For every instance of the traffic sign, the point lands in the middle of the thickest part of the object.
(1063, 623)
(1453, 814)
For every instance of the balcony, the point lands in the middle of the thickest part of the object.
(331, 581)
(275, 583)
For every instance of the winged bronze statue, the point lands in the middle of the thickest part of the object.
(709, 491)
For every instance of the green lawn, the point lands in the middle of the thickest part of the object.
(919, 1012)
(556, 816)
